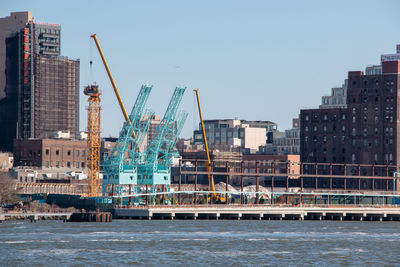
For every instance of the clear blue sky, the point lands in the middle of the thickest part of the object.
(255, 60)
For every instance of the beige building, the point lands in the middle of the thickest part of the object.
(6, 161)
(227, 134)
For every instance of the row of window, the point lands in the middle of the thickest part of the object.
(324, 138)
(388, 131)
(365, 82)
(334, 117)
(315, 128)
(69, 152)
(69, 165)
(48, 30)
(388, 109)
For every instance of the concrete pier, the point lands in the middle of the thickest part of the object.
(90, 217)
(259, 213)
(33, 217)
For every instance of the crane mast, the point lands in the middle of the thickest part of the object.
(94, 139)
(210, 177)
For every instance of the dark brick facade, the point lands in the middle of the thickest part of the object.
(363, 133)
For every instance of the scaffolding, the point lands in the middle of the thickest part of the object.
(53, 103)
(94, 139)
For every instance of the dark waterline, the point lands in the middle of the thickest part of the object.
(125, 242)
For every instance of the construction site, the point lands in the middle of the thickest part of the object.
(144, 171)
(138, 177)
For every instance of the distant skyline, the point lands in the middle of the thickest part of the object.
(255, 60)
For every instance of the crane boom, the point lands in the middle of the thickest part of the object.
(210, 177)
(121, 104)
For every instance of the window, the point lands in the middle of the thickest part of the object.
(315, 128)
(69, 152)
(343, 116)
(306, 128)
(77, 154)
(354, 119)
(354, 132)
(83, 153)
(354, 110)
(69, 164)
(47, 164)
(324, 128)
(57, 164)
(343, 128)
(57, 152)
(83, 164)
(47, 152)
(77, 165)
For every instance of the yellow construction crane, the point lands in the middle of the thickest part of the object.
(94, 139)
(94, 127)
(121, 104)
(210, 176)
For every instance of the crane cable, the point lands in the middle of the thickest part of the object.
(91, 60)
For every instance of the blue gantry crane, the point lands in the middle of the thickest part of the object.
(129, 169)
(119, 169)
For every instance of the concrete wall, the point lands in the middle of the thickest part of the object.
(254, 137)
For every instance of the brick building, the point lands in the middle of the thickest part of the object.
(366, 132)
(363, 133)
(51, 153)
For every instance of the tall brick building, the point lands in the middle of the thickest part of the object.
(367, 131)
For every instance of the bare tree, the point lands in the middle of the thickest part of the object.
(7, 188)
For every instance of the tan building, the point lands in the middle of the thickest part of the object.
(231, 133)
(282, 164)
(6, 161)
(51, 153)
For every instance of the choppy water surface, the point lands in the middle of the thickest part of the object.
(124, 242)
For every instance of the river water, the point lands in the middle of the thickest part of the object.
(130, 242)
